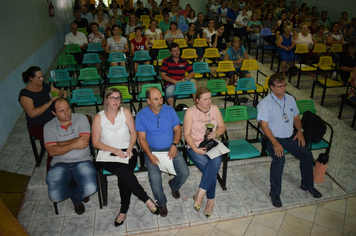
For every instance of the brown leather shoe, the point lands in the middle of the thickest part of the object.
(79, 209)
(85, 200)
(175, 193)
(163, 211)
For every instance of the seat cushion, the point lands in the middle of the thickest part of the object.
(241, 149)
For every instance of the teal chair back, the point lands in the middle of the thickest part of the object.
(91, 58)
(89, 73)
(142, 55)
(116, 57)
(201, 67)
(146, 70)
(95, 47)
(117, 72)
(245, 84)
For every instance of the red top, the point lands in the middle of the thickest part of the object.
(137, 46)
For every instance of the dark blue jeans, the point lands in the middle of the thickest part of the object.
(60, 175)
(302, 153)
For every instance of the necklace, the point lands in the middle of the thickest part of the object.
(202, 110)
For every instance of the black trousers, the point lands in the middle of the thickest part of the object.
(127, 181)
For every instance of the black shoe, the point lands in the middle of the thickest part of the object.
(276, 200)
(118, 222)
(79, 209)
(155, 210)
(85, 200)
(312, 191)
(163, 211)
(175, 193)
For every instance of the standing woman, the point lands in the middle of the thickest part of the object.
(195, 120)
(117, 43)
(286, 44)
(113, 130)
(35, 99)
(209, 31)
(173, 33)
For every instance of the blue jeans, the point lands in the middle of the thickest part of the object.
(302, 153)
(256, 36)
(60, 175)
(209, 168)
(154, 175)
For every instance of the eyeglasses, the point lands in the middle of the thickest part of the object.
(280, 86)
(114, 98)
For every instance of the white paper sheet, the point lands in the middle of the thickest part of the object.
(165, 164)
(104, 156)
(218, 150)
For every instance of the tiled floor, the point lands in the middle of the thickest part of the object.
(243, 209)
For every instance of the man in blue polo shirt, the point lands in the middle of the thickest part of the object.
(173, 71)
(278, 113)
(66, 139)
(158, 129)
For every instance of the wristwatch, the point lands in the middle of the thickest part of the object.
(175, 144)
(301, 130)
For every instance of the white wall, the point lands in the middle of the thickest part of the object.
(30, 37)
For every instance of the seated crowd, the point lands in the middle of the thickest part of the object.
(121, 29)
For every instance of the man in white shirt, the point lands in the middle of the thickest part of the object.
(75, 37)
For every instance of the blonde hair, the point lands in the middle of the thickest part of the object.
(107, 95)
(201, 91)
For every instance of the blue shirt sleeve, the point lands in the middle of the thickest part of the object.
(262, 111)
(139, 122)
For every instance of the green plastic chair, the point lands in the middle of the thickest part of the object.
(240, 149)
(72, 48)
(118, 74)
(84, 97)
(162, 54)
(217, 87)
(61, 79)
(68, 62)
(142, 95)
(83, 30)
(101, 29)
(306, 105)
(89, 76)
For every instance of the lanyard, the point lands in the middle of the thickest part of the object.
(284, 105)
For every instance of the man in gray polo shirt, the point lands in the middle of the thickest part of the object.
(66, 139)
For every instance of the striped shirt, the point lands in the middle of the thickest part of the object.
(174, 70)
